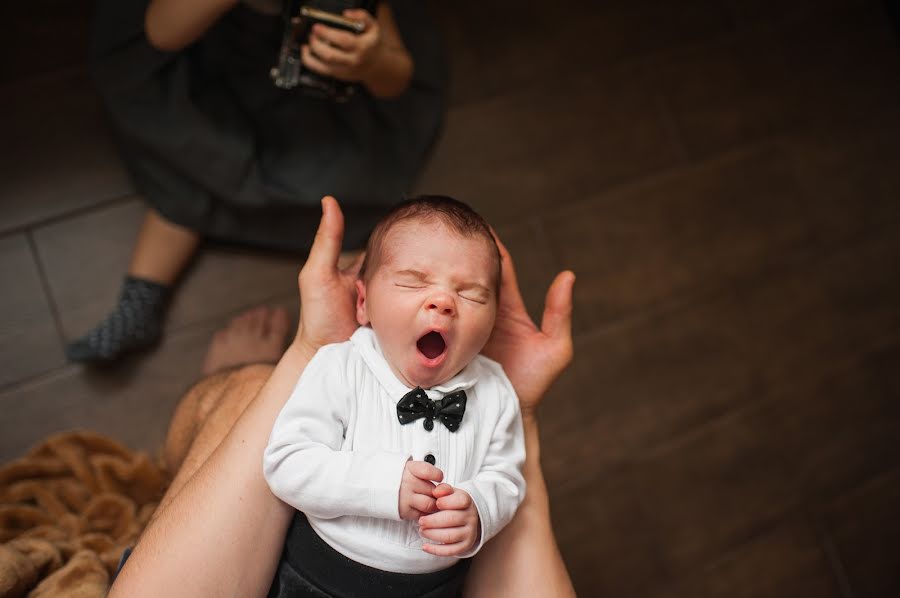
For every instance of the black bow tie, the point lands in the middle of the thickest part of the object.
(415, 405)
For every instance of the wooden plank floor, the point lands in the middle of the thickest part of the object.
(724, 178)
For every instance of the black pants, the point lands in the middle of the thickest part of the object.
(310, 567)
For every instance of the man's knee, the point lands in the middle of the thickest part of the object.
(213, 405)
(233, 390)
(254, 373)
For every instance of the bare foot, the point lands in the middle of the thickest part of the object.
(258, 335)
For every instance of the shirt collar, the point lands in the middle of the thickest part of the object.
(366, 343)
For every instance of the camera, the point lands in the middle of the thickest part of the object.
(299, 17)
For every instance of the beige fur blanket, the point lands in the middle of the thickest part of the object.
(67, 511)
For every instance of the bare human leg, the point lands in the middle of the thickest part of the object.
(162, 250)
(237, 364)
(203, 418)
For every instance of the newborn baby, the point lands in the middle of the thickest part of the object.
(375, 424)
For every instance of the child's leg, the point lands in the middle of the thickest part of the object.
(161, 253)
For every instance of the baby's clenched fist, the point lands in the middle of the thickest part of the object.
(416, 488)
(456, 525)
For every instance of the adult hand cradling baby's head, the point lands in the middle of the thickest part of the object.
(532, 357)
(327, 293)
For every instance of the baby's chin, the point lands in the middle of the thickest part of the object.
(417, 374)
(424, 378)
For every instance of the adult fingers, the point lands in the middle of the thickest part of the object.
(425, 471)
(361, 14)
(445, 535)
(509, 285)
(326, 247)
(336, 37)
(557, 319)
(330, 54)
(456, 501)
(311, 61)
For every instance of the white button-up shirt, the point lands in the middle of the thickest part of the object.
(337, 452)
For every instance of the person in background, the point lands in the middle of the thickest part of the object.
(217, 150)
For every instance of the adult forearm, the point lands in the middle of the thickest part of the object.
(222, 533)
(524, 558)
(173, 24)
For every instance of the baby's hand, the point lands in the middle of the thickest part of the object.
(456, 525)
(416, 489)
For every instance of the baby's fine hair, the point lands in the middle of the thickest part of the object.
(456, 215)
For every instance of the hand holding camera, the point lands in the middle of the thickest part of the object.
(328, 53)
(342, 54)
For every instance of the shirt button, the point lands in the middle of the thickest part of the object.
(429, 458)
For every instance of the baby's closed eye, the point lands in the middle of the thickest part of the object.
(474, 297)
(410, 279)
(475, 293)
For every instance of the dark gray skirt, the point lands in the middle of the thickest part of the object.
(214, 146)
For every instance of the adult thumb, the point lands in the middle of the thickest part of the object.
(557, 319)
(326, 247)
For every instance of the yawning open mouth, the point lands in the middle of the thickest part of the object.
(431, 345)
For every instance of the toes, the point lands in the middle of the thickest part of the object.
(249, 320)
(259, 321)
(239, 321)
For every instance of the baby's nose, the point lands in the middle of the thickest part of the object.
(441, 303)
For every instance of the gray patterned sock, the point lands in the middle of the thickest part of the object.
(134, 324)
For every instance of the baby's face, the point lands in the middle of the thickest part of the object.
(431, 302)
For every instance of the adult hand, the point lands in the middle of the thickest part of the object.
(342, 54)
(532, 357)
(328, 294)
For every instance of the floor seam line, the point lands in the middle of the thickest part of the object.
(45, 285)
(73, 213)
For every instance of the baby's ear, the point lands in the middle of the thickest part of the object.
(362, 317)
